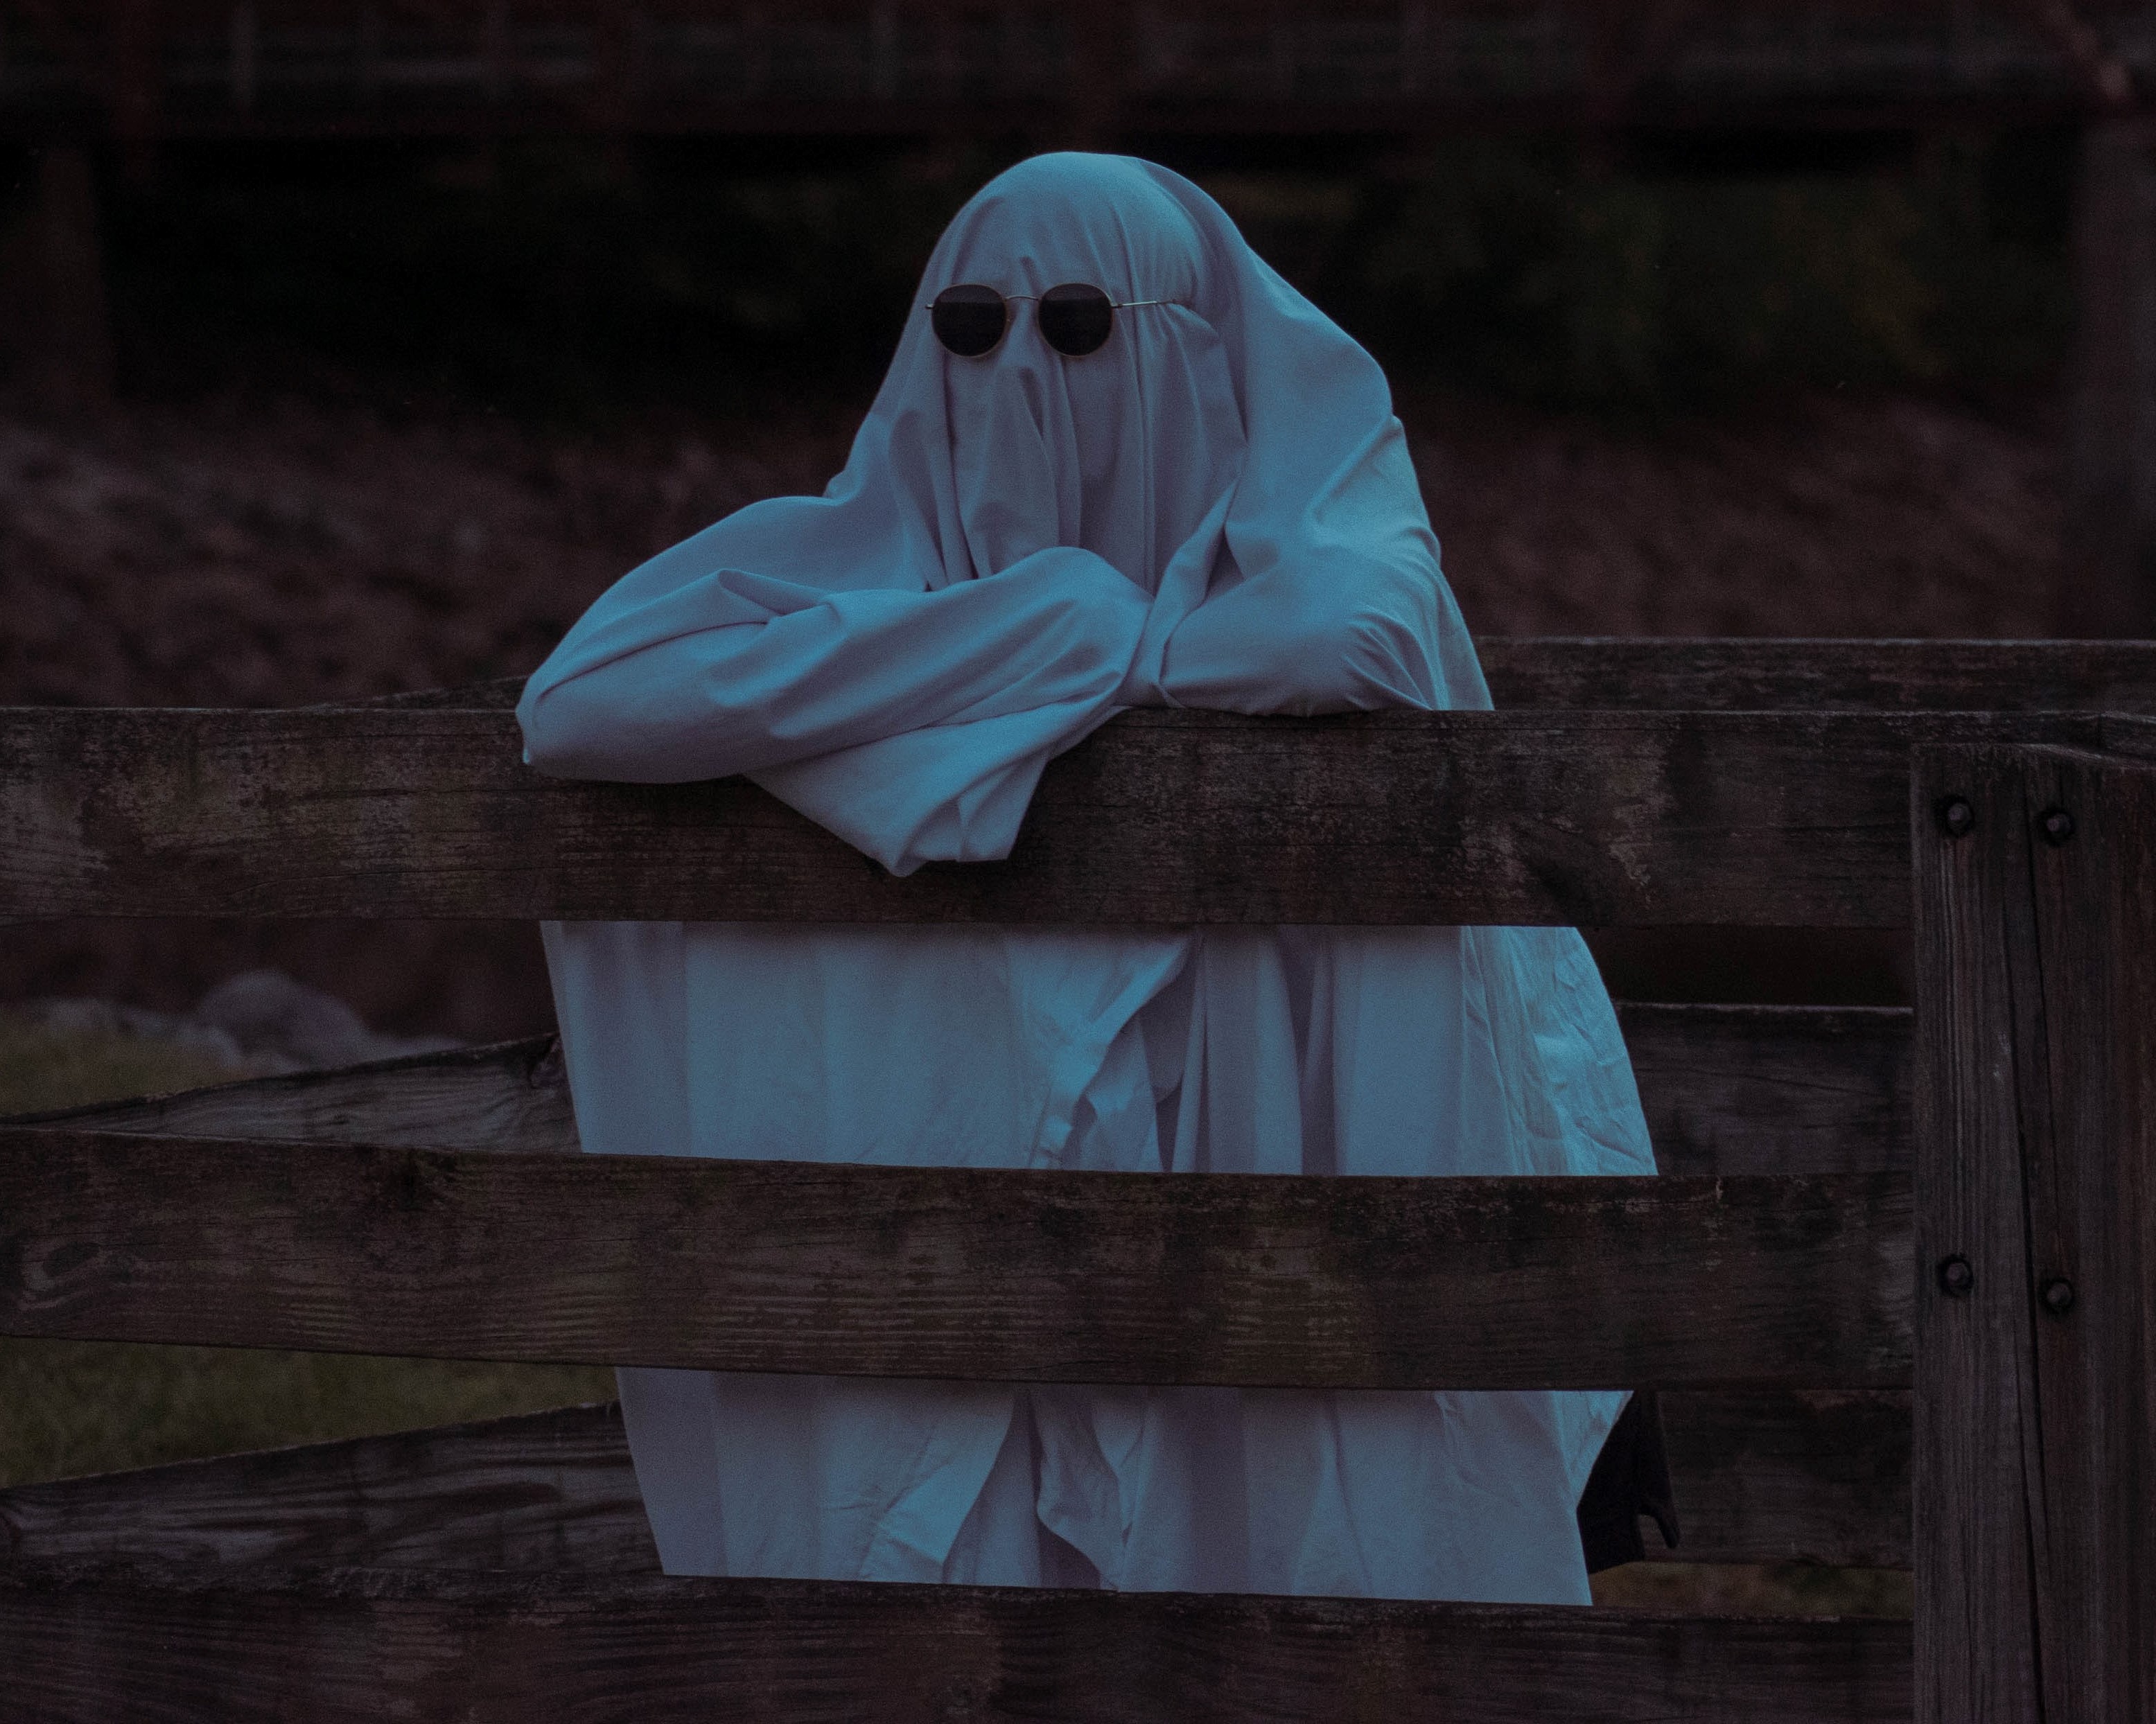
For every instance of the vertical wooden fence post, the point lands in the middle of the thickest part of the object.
(2035, 1169)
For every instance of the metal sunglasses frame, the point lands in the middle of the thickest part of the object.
(1113, 305)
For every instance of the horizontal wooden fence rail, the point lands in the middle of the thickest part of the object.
(1778, 1476)
(535, 1490)
(1048, 1276)
(1773, 1089)
(1596, 818)
(1879, 675)
(1763, 1475)
(1633, 673)
(506, 1095)
(1726, 1089)
(338, 1646)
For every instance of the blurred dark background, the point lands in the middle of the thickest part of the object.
(350, 348)
(547, 278)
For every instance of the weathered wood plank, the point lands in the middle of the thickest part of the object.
(952, 1272)
(1815, 675)
(493, 694)
(1778, 1476)
(1773, 1089)
(506, 1095)
(1761, 1476)
(1740, 675)
(97, 1642)
(1726, 1089)
(1975, 1602)
(2132, 734)
(1161, 818)
(551, 1490)
(2035, 1436)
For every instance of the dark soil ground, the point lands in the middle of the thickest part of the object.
(260, 551)
(265, 554)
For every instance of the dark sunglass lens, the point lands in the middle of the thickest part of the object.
(1075, 318)
(969, 319)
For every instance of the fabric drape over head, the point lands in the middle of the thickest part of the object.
(1215, 509)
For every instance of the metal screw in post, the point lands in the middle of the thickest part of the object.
(1956, 1278)
(2056, 825)
(1956, 817)
(2058, 1296)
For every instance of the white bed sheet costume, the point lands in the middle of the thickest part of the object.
(1215, 510)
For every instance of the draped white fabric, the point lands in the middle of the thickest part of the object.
(1215, 509)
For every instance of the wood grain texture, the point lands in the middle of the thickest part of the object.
(335, 1646)
(1726, 1089)
(506, 1095)
(1773, 1089)
(1044, 1276)
(1761, 1475)
(536, 1491)
(1161, 818)
(1973, 1423)
(1814, 676)
(2035, 1437)
(1627, 673)
(2130, 736)
(1780, 1475)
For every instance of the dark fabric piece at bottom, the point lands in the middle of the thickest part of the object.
(1631, 1478)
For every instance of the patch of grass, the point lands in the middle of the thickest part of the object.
(69, 1408)
(41, 1069)
(1762, 1589)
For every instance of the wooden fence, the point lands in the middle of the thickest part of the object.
(1893, 1281)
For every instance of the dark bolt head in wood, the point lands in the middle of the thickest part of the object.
(1956, 816)
(2058, 1296)
(1956, 1277)
(2056, 825)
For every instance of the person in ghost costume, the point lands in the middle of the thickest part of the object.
(1213, 507)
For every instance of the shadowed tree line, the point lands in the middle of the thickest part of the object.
(541, 278)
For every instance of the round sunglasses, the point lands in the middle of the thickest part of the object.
(1075, 318)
